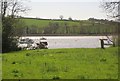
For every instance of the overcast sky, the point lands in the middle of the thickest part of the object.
(77, 9)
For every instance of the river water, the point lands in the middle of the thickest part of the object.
(70, 41)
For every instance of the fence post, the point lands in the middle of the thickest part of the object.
(102, 43)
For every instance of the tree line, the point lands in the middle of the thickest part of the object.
(88, 27)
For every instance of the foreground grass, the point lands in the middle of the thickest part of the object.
(0, 66)
(61, 64)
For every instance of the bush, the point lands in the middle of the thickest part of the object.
(9, 39)
(56, 77)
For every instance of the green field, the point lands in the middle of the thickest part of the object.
(45, 22)
(0, 66)
(76, 63)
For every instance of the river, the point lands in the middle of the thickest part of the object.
(70, 41)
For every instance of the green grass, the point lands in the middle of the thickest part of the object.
(44, 23)
(38, 23)
(61, 64)
(0, 66)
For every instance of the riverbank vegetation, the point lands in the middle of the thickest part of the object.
(76, 63)
(9, 20)
(35, 26)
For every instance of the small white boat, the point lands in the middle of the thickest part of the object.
(43, 43)
(27, 43)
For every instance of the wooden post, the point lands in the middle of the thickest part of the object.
(102, 43)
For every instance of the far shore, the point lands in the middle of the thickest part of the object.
(67, 35)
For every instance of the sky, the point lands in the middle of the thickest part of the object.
(76, 9)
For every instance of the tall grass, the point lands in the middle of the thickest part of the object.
(0, 66)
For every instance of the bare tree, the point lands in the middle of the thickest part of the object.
(12, 7)
(70, 18)
(112, 8)
(61, 17)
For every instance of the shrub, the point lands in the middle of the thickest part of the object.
(56, 77)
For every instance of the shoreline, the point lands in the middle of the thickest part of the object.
(61, 35)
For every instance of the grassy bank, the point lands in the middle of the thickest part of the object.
(61, 63)
(0, 66)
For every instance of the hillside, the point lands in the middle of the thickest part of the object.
(66, 27)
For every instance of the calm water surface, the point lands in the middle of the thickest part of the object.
(70, 41)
